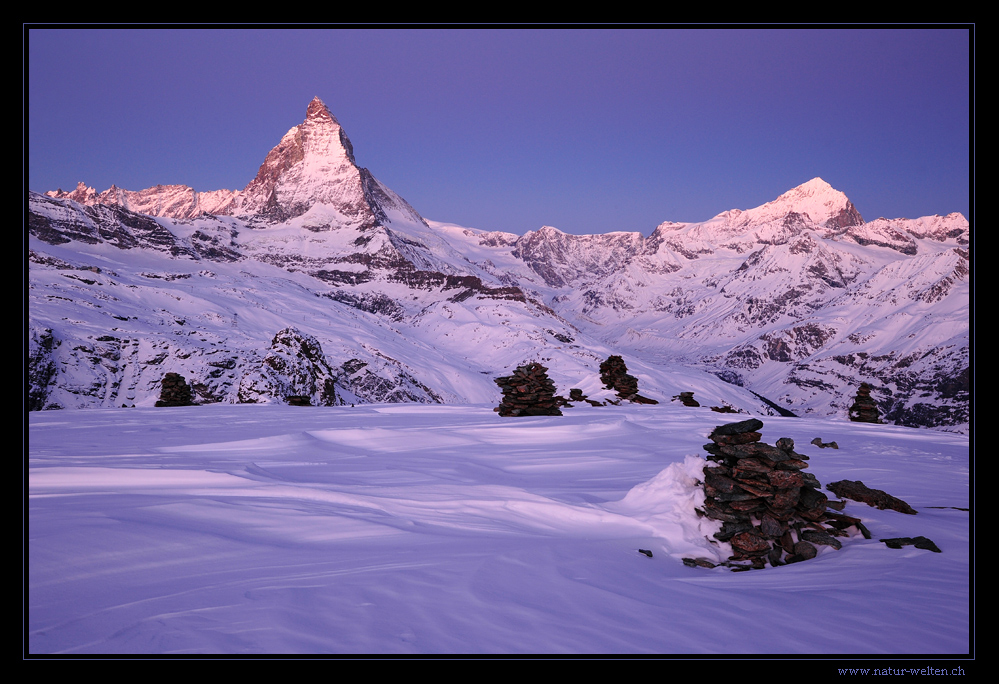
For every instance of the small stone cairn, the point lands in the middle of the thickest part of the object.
(175, 391)
(771, 511)
(528, 392)
(686, 398)
(864, 410)
(614, 374)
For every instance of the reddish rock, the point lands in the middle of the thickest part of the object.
(786, 479)
(739, 438)
(858, 491)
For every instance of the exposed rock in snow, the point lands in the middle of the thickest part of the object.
(294, 366)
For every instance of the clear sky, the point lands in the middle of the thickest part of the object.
(587, 130)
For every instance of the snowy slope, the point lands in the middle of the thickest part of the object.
(117, 322)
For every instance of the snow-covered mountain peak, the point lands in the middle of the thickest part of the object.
(313, 164)
(820, 202)
(549, 232)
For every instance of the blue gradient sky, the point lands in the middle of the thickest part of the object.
(585, 130)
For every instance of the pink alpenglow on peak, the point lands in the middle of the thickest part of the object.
(312, 165)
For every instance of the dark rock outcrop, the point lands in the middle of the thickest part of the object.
(41, 367)
(858, 491)
(918, 542)
(294, 366)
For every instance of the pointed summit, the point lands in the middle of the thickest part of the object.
(816, 199)
(313, 164)
(318, 110)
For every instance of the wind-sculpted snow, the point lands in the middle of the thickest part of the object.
(412, 529)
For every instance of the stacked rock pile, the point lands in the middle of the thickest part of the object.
(771, 511)
(528, 392)
(614, 375)
(864, 410)
(175, 391)
(686, 398)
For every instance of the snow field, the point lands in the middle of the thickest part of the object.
(409, 529)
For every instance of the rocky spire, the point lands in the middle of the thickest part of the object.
(313, 164)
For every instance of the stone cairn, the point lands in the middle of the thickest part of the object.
(175, 391)
(614, 375)
(864, 410)
(528, 392)
(771, 511)
(686, 398)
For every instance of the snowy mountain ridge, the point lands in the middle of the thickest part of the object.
(798, 300)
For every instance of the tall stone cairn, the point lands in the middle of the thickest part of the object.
(614, 375)
(175, 391)
(528, 392)
(771, 511)
(864, 410)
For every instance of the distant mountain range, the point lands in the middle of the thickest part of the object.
(316, 279)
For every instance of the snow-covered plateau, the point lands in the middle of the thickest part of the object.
(437, 529)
